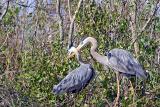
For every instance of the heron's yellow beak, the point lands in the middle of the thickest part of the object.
(72, 54)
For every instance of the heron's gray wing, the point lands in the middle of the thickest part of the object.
(122, 61)
(89, 75)
(85, 75)
(75, 80)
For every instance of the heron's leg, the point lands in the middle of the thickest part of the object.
(136, 83)
(75, 97)
(125, 87)
(118, 91)
(132, 90)
(143, 87)
(69, 100)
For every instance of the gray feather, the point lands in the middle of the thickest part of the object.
(122, 61)
(76, 80)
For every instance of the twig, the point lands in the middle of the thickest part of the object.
(5, 11)
(4, 41)
(108, 104)
(69, 10)
(61, 30)
(71, 30)
(8, 72)
(133, 23)
(147, 23)
(23, 5)
(36, 22)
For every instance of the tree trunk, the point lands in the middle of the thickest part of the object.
(133, 16)
(61, 31)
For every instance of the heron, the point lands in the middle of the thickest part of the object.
(77, 79)
(120, 60)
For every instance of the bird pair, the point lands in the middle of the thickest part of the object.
(121, 61)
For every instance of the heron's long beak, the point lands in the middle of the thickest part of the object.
(71, 55)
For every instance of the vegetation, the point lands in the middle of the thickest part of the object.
(33, 58)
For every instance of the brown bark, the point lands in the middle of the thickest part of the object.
(4, 9)
(133, 16)
(71, 29)
(147, 22)
(61, 30)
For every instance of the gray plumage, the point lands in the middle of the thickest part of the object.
(77, 79)
(122, 61)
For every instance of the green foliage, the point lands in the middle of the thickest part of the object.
(41, 71)
(10, 16)
(43, 65)
(96, 22)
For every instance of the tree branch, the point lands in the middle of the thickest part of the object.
(71, 29)
(61, 30)
(133, 24)
(69, 10)
(4, 11)
(147, 23)
(4, 42)
(8, 72)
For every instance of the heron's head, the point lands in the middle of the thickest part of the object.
(71, 52)
(83, 42)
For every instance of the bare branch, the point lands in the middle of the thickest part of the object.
(69, 10)
(4, 10)
(8, 72)
(147, 23)
(4, 42)
(150, 19)
(61, 30)
(133, 22)
(71, 29)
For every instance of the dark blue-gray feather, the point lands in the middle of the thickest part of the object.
(122, 61)
(76, 80)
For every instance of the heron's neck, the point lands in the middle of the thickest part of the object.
(100, 58)
(79, 58)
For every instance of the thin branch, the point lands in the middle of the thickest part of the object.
(8, 72)
(61, 30)
(23, 5)
(36, 21)
(133, 22)
(69, 10)
(147, 23)
(4, 11)
(71, 30)
(150, 19)
(4, 42)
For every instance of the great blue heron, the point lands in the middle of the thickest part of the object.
(121, 61)
(77, 79)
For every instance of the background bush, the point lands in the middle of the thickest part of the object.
(32, 58)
